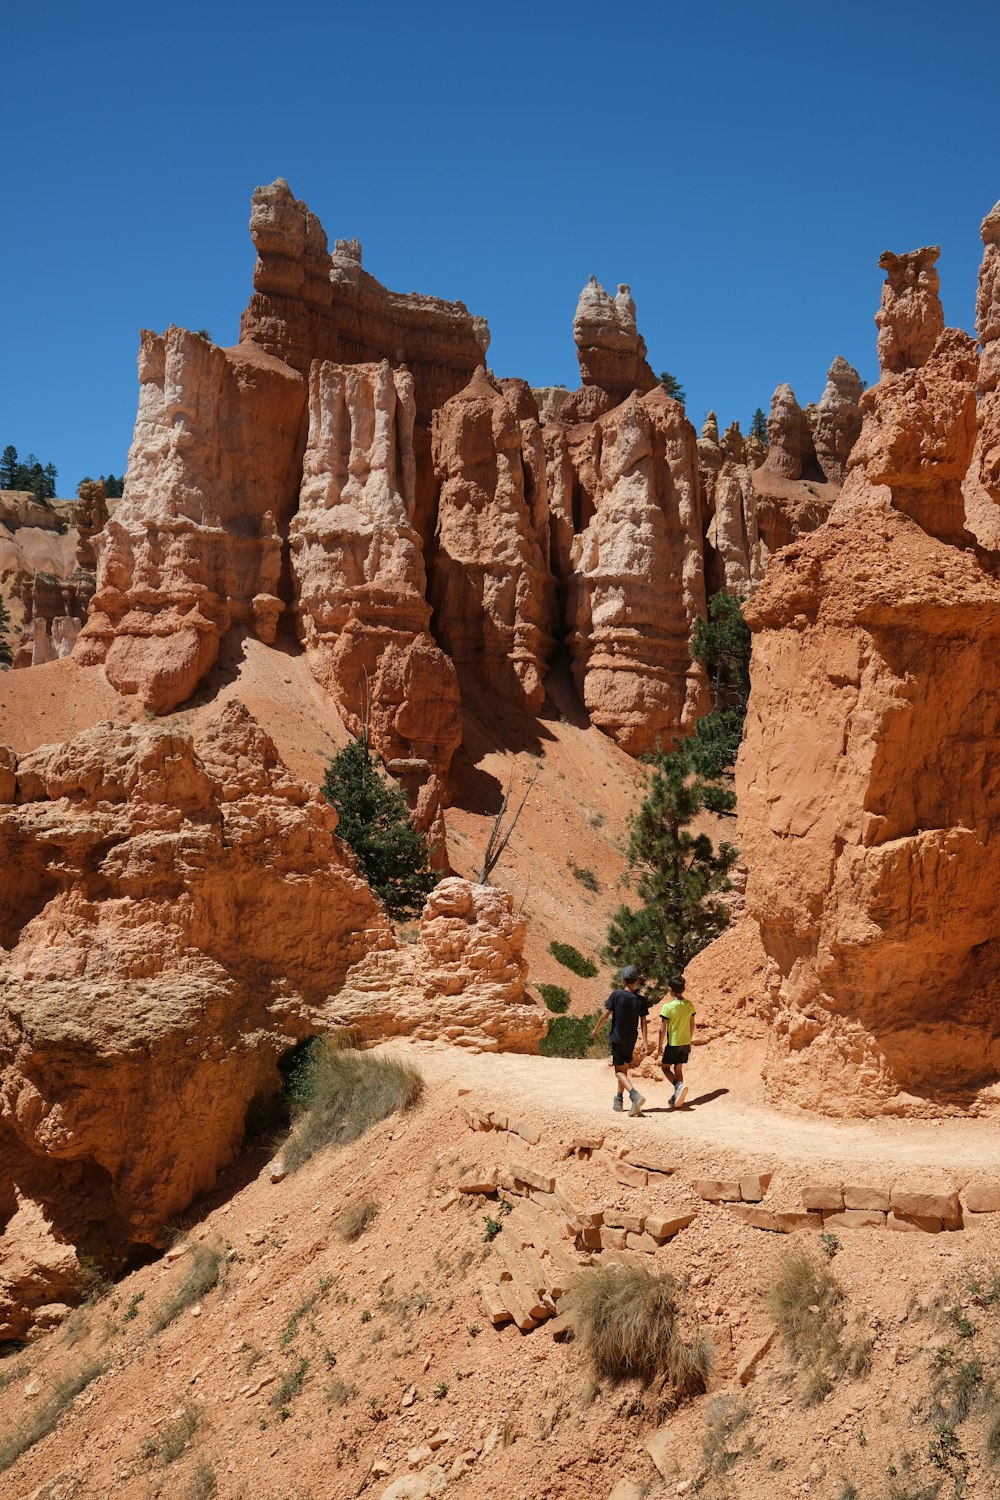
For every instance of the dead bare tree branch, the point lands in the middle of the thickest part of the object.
(499, 836)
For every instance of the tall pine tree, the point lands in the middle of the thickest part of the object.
(680, 875)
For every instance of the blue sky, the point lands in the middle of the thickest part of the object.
(741, 166)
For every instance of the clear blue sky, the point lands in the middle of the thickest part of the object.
(741, 166)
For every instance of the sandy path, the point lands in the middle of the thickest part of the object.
(735, 1123)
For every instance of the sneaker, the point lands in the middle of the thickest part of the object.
(638, 1100)
(680, 1094)
(617, 1104)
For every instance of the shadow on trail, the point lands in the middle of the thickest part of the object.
(666, 1109)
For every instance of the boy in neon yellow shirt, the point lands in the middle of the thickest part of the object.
(676, 1032)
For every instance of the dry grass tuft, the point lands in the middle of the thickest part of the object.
(807, 1305)
(341, 1094)
(353, 1220)
(174, 1436)
(626, 1319)
(203, 1275)
(42, 1421)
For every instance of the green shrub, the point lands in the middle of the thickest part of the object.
(587, 878)
(572, 958)
(342, 1093)
(555, 997)
(375, 821)
(569, 1036)
(626, 1319)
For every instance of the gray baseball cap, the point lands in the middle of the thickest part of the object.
(629, 973)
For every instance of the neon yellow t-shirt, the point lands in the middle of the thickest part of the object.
(677, 1014)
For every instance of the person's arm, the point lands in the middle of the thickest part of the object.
(692, 1030)
(645, 1034)
(605, 1014)
(662, 1036)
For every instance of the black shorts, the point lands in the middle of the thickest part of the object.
(622, 1056)
(675, 1055)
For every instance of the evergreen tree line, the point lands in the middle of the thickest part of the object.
(30, 474)
(113, 488)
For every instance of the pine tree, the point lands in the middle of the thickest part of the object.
(680, 874)
(758, 426)
(375, 822)
(722, 645)
(9, 466)
(672, 386)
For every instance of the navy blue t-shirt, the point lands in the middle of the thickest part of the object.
(626, 1007)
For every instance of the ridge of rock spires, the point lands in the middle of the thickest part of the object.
(360, 585)
(838, 420)
(910, 318)
(637, 581)
(308, 304)
(609, 346)
(176, 914)
(866, 809)
(492, 588)
(195, 546)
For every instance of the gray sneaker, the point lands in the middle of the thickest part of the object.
(617, 1104)
(680, 1094)
(638, 1100)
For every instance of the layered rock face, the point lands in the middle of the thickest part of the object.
(637, 581)
(175, 916)
(609, 346)
(195, 548)
(492, 587)
(360, 586)
(868, 811)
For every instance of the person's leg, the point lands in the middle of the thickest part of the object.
(680, 1088)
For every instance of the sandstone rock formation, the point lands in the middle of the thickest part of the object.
(790, 453)
(491, 587)
(176, 916)
(637, 583)
(983, 481)
(360, 585)
(610, 349)
(463, 982)
(838, 420)
(308, 304)
(911, 317)
(91, 515)
(868, 810)
(195, 546)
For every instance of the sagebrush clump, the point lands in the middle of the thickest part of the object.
(340, 1093)
(626, 1320)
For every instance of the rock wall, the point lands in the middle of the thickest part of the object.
(176, 915)
(195, 547)
(360, 585)
(492, 588)
(868, 811)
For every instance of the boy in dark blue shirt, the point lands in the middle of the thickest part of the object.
(628, 1011)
